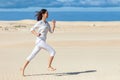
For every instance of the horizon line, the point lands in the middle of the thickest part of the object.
(31, 9)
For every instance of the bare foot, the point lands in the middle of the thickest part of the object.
(51, 69)
(22, 72)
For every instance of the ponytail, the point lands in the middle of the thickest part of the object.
(39, 14)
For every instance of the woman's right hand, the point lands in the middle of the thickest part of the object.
(53, 22)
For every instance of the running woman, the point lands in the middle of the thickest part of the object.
(43, 28)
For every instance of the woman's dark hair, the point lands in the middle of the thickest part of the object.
(39, 14)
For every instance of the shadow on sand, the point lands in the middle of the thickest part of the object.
(63, 73)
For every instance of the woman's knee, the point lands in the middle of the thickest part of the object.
(52, 53)
(33, 53)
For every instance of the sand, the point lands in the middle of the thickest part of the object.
(85, 51)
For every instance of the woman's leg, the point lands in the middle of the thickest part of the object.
(49, 64)
(29, 58)
(45, 46)
(23, 69)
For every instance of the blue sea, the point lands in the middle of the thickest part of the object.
(63, 16)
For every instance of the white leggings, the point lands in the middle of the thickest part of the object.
(41, 45)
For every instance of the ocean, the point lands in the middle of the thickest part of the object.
(63, 16)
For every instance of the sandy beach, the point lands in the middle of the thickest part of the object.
(85, 51)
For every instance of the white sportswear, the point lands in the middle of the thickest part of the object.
(43, 28)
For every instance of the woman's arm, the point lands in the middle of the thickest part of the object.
(53, 25)
(36, 26)
(35, 33)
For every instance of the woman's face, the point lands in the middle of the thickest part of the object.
(45, 15)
